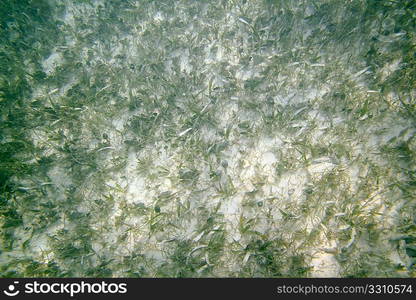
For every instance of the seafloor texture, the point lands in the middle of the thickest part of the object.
(208, 138)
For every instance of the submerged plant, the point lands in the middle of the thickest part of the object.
(138, 140)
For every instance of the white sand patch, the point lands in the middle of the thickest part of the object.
(291, 185)
(324, 265)
(158, 18)
(208, 135)
(232, 209)
(184, 64)
(41, 245)
(228, 112)
(54, 60)
(390, 68)
(321, 166)
(268, 158)
(59, 177)
(136, 191)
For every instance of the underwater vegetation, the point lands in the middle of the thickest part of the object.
(265, 138)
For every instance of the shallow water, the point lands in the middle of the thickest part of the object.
(207, 138)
